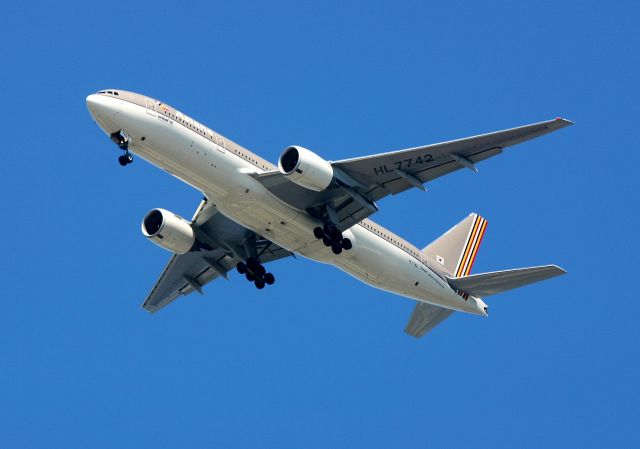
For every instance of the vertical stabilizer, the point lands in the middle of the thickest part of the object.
(456, 250)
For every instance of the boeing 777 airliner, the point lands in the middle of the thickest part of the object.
(254, 212)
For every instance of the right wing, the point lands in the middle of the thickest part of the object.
(225, 241)
(424, 318)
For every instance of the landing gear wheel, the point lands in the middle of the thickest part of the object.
(241, 267)
(317, 232)
(346, 244)
(337, 249)
(259, 270)
(129, 158)
(326, 240)
(122, 160)
(269, 278)
(259, 284)
(250, 277)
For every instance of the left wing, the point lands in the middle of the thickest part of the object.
(224, 244)
(363, 181)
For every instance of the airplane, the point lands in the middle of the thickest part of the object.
(254, 212)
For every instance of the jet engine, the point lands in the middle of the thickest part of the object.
(305, 168)
(169, 231)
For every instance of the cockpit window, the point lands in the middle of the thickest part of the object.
(116, 93)
(102, 91)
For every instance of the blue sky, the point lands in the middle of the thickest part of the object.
(320, 360)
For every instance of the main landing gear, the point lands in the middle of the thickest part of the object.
(332, 237)
(255, 272)
(121, 139)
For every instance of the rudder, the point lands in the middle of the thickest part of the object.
(456, 249)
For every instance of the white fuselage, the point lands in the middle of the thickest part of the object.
(224, 178)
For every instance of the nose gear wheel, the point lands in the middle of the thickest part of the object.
(121, 139)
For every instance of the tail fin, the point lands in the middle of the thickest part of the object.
(456, 249)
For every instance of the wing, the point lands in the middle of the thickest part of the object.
(223, 244)
(424, 318)
(363, 181)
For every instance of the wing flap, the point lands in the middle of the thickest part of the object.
(487, 284)
(424, 318)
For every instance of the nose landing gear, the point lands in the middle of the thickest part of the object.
(125, 159)
(255, 272)
(121, 139)
(332, 237)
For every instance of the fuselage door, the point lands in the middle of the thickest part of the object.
(424, 264)
(151, 107)
(219, 142)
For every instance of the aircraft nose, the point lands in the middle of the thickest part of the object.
(96, 106)
(104, 111)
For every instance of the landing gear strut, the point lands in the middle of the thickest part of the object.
(255, 272)
(332, 237)
(121, 139)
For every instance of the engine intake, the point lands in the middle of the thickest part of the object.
(169, 231)
(305, 168)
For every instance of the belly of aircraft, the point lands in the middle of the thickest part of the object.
(223, 178)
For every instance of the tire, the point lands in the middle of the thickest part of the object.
(326, 240)
(241, 267)
(250, 277)
(129, 158)
(259, 284)
(269, 278)
(337, 249)
(346, 244)
(317, 232)
(259, 270)
(122, 160)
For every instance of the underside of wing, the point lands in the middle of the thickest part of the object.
(223, 243)
(345, 204)
(424, 318)
(359, 183)
(394, 172)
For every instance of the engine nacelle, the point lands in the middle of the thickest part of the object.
(305, 168)
(168, 231)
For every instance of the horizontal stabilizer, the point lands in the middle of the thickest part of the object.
(424, 318)
(486, 284)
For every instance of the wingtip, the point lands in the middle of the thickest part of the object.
(560, 270)
(564, 121)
